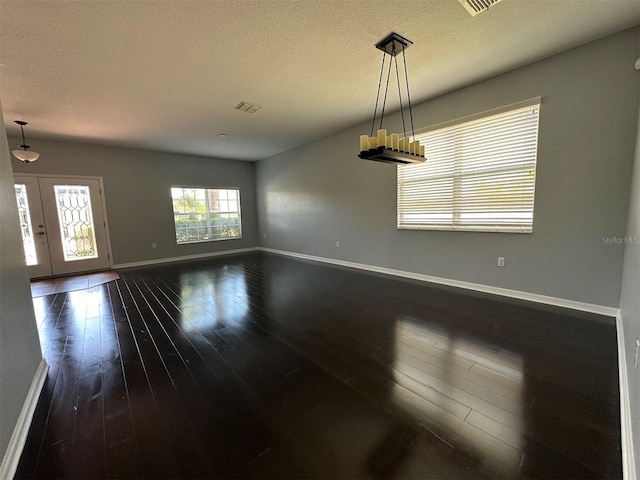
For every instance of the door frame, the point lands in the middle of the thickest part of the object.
(103, 202)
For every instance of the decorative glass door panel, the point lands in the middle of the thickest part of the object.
(76, 222)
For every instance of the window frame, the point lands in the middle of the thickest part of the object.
(452, 181)
(207, 214)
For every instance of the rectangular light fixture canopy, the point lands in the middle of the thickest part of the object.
(393, 44)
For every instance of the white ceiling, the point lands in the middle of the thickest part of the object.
(166, 75)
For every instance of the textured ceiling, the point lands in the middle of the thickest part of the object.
(166, 75)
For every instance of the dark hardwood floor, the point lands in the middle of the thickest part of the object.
(261, 366)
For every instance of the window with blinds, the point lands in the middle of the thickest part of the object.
(479, 175)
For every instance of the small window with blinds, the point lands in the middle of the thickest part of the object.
(479, 175)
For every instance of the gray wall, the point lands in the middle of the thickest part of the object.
(19, 344)
(630, 300)
(320, 193)
(137, 190)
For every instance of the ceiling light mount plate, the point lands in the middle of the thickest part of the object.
(393, 44)
(388, 155)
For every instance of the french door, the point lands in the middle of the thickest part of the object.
(63, 225)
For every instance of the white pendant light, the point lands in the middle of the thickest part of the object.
(25, 155)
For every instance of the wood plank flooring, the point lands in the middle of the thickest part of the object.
(261, 366)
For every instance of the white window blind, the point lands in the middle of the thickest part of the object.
(479, 175)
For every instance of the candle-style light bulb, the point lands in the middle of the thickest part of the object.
(394, 141)
(364, 143)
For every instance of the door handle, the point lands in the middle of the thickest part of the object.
(41, 233)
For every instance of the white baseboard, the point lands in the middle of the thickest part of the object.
(628, 458)
(505, 292)
(184, 258)
(21, 430)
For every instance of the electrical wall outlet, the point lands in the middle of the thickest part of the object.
(338, 244)
(501, 262)
(154, 245)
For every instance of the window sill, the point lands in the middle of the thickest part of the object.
(208, 240)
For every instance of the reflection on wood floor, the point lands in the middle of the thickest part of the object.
(260, 366)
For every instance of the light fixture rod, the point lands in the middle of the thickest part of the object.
(375, 110)
(392, 45)
(384, 103)
(22, 124)
(404, 129)
(406, 77)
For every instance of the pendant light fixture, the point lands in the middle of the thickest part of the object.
(25, 155)
(397, 148)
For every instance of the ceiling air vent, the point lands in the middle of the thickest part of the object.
(474, 7)
(247, 107)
